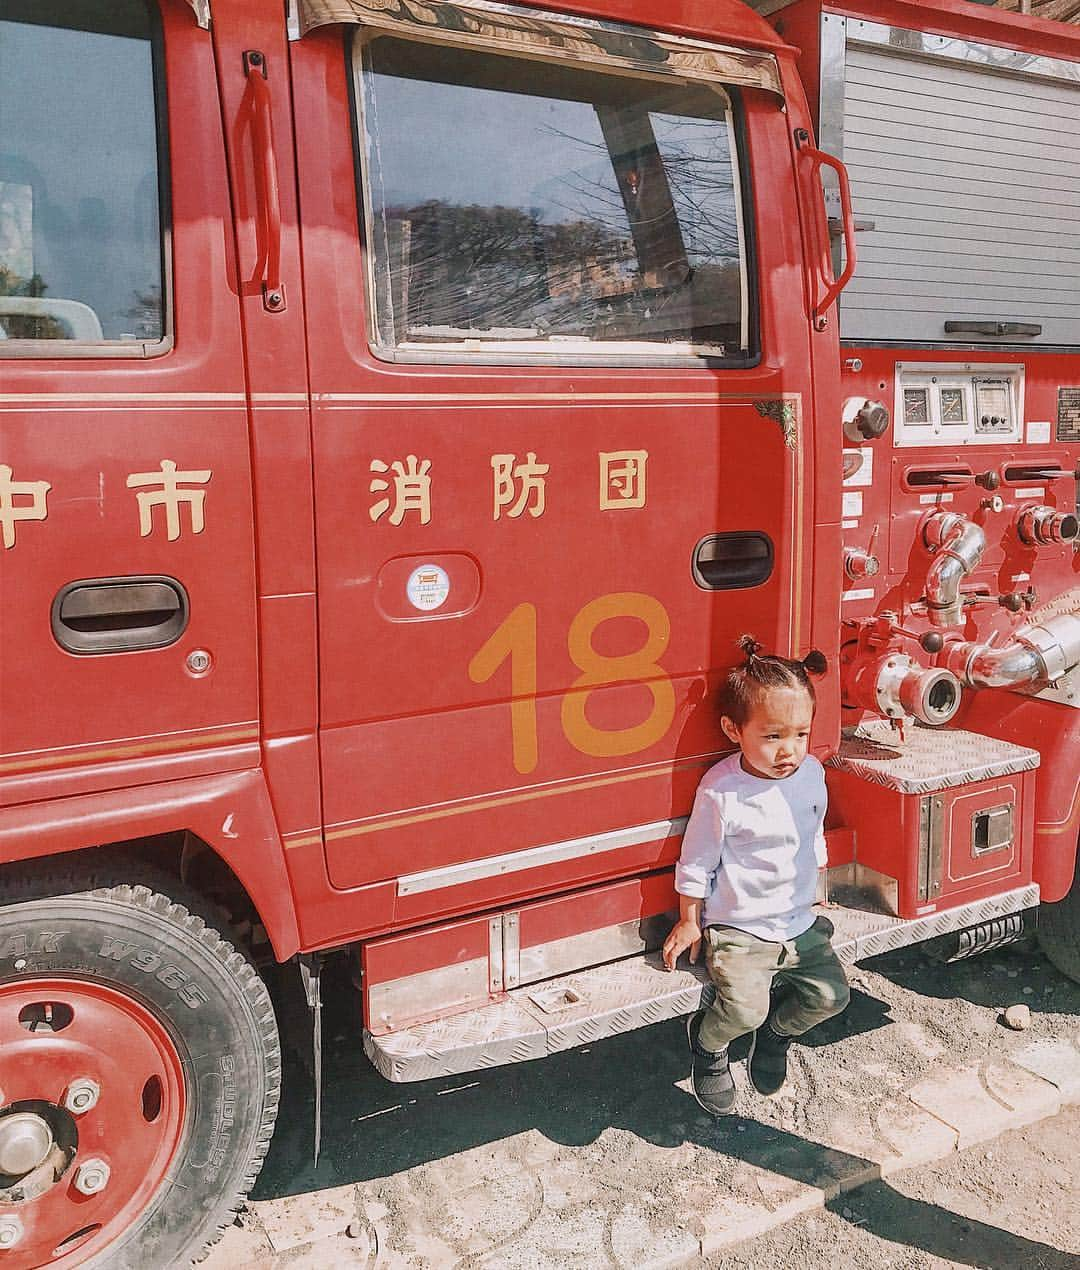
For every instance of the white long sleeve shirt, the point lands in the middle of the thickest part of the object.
(753, 847)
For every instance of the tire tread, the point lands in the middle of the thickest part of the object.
(99, 878)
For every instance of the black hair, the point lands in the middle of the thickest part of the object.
(747, 684)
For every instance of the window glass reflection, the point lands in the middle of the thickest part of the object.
(517, 203)
(80, 221)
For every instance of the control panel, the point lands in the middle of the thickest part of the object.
(958, 404)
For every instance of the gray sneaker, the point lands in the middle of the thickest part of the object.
(710, 1076)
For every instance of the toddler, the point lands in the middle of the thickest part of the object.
(747, 880)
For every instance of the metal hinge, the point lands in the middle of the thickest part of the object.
(504, 952)
(931, 846)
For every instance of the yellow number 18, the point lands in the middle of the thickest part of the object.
(515, 639)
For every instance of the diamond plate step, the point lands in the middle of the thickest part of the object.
(588, 1005)
(929, 758)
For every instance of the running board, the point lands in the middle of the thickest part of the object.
(577, 1009)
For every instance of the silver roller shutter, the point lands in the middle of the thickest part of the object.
(970, 172)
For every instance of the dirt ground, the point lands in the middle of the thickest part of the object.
(599, 1157)
(1013, 1204)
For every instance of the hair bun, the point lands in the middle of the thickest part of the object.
(750, 647)
(814, 663)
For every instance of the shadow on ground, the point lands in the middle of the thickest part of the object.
(1018, 971)
(376, 1130)
(372, 1128)
(913, 1223)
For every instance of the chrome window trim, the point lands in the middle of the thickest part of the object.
(545, 352)
(201, 9)
(831, 83)
(832, 97)
(993, 57)
(617, 47)
(46, 350)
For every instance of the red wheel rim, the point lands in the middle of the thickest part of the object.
(88, 1031)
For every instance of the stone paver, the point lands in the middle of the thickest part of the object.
(306, 1218)
(648, 1180)
(741, 1215)
(1057, 1061)
(897, 1134)
(242, 1245)
(982, 1100)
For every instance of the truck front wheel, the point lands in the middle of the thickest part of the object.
(1059, 929)
(139, 1073)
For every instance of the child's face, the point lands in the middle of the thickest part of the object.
(774, 738)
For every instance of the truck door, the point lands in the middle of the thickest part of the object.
(559, 464)
(126, 570)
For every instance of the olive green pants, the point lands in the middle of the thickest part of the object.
(743, 969)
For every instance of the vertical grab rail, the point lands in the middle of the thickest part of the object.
(820, 159)
(266, 182)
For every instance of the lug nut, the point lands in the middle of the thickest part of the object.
(92, 1176)
(11, 1231)
(81, 1095)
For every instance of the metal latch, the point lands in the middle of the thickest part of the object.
(992, 829)
(862, 226)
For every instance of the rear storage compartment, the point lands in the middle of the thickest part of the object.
(962, 164)
(943, 818)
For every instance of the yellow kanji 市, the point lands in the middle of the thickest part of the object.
(14, 505)
(622, 479)
(410, 489)
(170, 496)
(518, 484)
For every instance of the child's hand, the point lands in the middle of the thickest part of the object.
(686, 933)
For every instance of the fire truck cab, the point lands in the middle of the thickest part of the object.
(405, 409)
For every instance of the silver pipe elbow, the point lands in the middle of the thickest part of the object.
(960, 544)
(1003, 667)
(944, 606)
(1038, 653)
(1056, 642)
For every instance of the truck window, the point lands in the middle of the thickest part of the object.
(524, 207)
(80, 210)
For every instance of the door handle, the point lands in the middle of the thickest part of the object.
(115, 615)
(266, 182)
(847, 220)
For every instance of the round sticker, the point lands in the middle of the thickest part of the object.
(427, 587)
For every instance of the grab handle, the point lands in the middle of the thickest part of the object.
(820, 159)
(273, 292)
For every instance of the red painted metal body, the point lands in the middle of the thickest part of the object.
(350, 721)
(333, 747)
(479, 795)
(889, 837)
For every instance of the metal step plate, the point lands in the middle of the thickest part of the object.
(928, 759)
(588, 1005)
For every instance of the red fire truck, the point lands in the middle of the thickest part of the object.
(406, 406)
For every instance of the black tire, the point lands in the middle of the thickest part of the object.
(87, 926)
(1059, 929)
